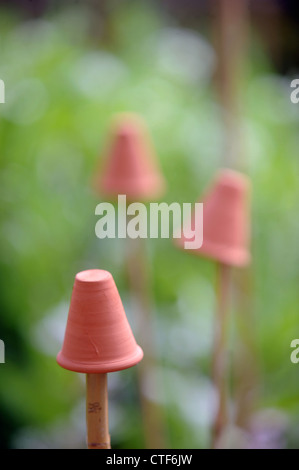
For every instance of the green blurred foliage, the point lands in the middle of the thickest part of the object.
(63, 87)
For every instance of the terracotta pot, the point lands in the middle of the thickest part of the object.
(130, 166)
(226, 220)
(98, 337)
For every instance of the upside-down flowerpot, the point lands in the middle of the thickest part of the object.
(98, 337)
(130, 166)
(226, 220)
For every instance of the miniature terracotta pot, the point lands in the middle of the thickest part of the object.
(226, 220)
(98, 337)
(130, 167)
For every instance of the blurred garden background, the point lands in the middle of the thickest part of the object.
(68, 68)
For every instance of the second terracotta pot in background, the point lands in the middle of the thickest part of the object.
(226, 220)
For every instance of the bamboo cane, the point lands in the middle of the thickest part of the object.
(230, 34)
(246, 378)
(220, 371)
(153, 421)
(97, 412)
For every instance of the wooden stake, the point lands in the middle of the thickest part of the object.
(245, 352)
(220, 353)
(97, 412)
(230, 25)
(230, 33)
(152, 413)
